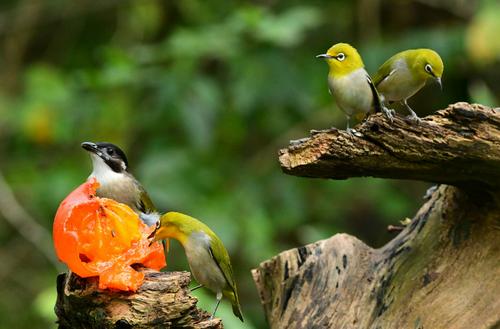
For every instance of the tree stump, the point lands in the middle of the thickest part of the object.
(163, 301)
(441, 271)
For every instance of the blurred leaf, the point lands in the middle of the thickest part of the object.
(483, 44)
(47, 96)
(481, 94)
(44, 305)
(288, 28)
(217, 41)
(118, 68)
(145, 17)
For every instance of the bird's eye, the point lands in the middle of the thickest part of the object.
(428, 68)
(110, 151)
(340, 57)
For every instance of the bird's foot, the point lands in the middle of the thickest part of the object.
(389, 113)
(413, 117)
(354, 132)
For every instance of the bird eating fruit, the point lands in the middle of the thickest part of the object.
(110, 168)
(206, 255)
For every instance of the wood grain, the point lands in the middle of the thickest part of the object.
(163, 301)
(459, 145)
(441, 271)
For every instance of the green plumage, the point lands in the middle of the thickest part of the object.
(208, 258)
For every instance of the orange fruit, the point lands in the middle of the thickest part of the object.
(101, 237)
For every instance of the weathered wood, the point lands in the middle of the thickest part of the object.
(163, 301)
(442, 271)
(459, 146)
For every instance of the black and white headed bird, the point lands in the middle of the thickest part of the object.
(110, 169)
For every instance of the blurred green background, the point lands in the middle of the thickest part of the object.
(201, 95)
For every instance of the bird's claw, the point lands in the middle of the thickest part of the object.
(414, 118)
(354, 132)
(389, 113)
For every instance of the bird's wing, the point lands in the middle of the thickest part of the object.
(217, 252)
(376, 97)
(144, 204)
(383, 72)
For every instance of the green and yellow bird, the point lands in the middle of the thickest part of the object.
(405, 73)
(349, 83)
(206, 255)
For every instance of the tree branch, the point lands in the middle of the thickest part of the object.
(25, 224)
(459, 145)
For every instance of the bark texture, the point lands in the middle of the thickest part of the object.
(459, 145)
(163, 301)
(441, 272)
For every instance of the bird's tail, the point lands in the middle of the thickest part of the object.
(237, 311)
(233, 297)
(377, 102)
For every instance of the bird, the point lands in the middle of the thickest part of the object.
(405, 73)
(207, 257)
(110, 169)
(349, 83)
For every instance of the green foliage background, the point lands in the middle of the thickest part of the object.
(201, 95)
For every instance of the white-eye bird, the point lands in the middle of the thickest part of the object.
(110, 169)
(349, 83)
(206, 255)
(405, 73)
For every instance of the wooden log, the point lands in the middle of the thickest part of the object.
(441, 271)
(163, 301)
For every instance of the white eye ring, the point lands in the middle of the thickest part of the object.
(428, 68)
(340, 57)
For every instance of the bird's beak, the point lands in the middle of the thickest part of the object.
(91, 147)
(438, 80)
(153, 234)
(325, 56)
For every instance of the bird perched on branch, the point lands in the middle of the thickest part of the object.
(405, 73)
(207, 256)
(349, 83)
(110, 168)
